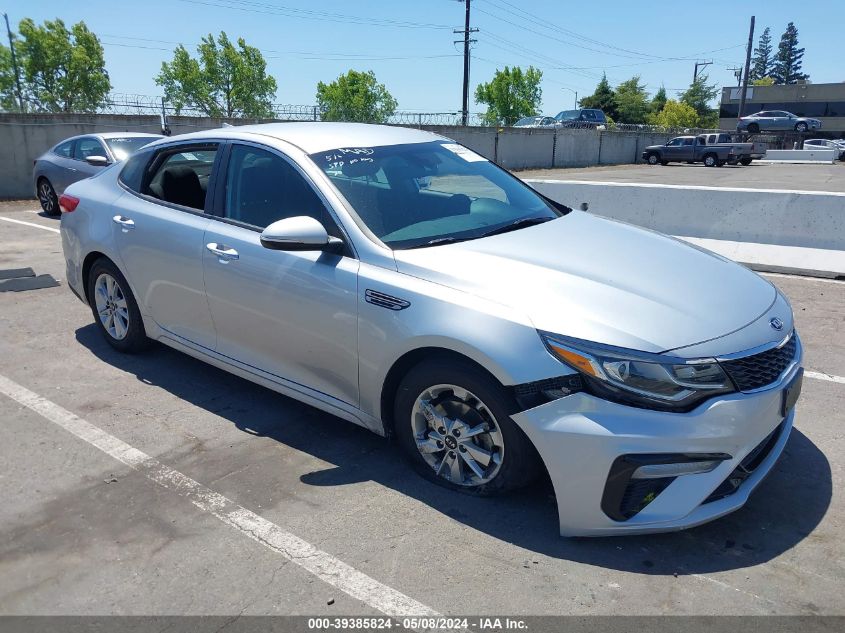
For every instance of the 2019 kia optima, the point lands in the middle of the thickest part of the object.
(399, 280)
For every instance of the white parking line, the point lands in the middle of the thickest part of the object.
(325, 566)
(37, 226)
(822, 376)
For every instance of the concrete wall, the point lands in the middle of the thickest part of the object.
(25, 137)
(802, 155)
(785, 218)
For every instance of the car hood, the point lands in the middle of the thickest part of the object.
(601, 280)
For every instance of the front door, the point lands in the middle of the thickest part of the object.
(292, 314)
(159, 232)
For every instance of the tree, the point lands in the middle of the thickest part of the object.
(658, 100)
(8, 91)
(761, 63)
(355, 96)
(677, 115)
(224, 81)
(699, 96)
(511, 95)
(602, 99)
(763, 81)
(786, 68)
(61, 70)
(632, 104)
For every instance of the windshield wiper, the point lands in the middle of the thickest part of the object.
(513, 226)
(440, 240)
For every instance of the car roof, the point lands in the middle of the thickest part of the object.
(108, 135)
(318, 136)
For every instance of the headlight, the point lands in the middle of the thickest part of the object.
(641, 379)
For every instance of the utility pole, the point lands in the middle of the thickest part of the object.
(737, 73)
(697, 65)
(466, 31)
(744, 87)
(14, 62)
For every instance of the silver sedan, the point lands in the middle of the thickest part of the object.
(399, 280)
(80, 157)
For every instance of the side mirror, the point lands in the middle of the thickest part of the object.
(301, 233)
(98, 161)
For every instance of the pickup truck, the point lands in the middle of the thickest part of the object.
(745, 152)
(689, 149)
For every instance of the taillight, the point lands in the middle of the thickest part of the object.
(67, 203)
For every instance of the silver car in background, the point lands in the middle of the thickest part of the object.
(776, 120)
(80, 157)
(492, 332)
(837, 146)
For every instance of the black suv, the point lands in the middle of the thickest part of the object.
(582, 118)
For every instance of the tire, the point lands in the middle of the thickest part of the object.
(664, 162)
(745, 160)
(47, 197)
(721, 163)
(801, 127)
(114, 308)
(710, 160)
(463, 396)
(753, 128)
(653, 159)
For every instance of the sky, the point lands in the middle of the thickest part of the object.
(409, 45)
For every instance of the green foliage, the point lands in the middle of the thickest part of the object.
(699, 96)
(8, 94)
(511, 95)
(761, 62)
(763, 81)
(677, 114)
(658, 101)
(225, 80)
(355, 96)
(631, 99)
(602, 99)
(61, 70)
(786, 68)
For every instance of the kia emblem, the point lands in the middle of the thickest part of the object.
(776, 323)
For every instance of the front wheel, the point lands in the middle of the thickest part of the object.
(653, 159)
(801, 127)
(745, 160)
(453, 423)
(47, 197)
(114, 307)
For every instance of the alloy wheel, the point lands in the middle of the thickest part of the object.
(111, 306)
(457, 435)
(46, 197)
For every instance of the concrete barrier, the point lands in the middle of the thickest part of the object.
(806, 219)
(801, 155)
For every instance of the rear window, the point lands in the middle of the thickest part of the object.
(132, 174)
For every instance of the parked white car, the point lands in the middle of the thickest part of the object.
(837, 146)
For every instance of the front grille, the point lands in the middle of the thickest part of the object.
(759, 370)
(748, 465)
(640, 492)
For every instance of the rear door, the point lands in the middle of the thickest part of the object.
(686, 151)
(61, 170)
(158, 226)
(292, 314)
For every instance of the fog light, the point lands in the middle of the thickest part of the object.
(656, 471)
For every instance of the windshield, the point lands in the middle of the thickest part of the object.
(528, 120)
(124, 146)
(568, 115)
(420, 194)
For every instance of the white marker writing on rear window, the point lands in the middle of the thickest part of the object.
(467, 154)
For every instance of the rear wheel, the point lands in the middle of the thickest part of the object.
(710, 160)
(721, 163)
(453, 423)
(801, 127)
(753, 128)
(745, 160)
(47, 197)
(114, 307)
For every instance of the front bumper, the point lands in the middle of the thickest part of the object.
(580, 436)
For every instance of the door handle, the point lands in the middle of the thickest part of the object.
(223, 253)
(125, 223)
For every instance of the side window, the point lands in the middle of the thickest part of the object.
(675, 142)
(88, 146)
(262, 187)
(65, 150)
(181, 176)
(132, 174)
(590, 115)
(688, 141)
